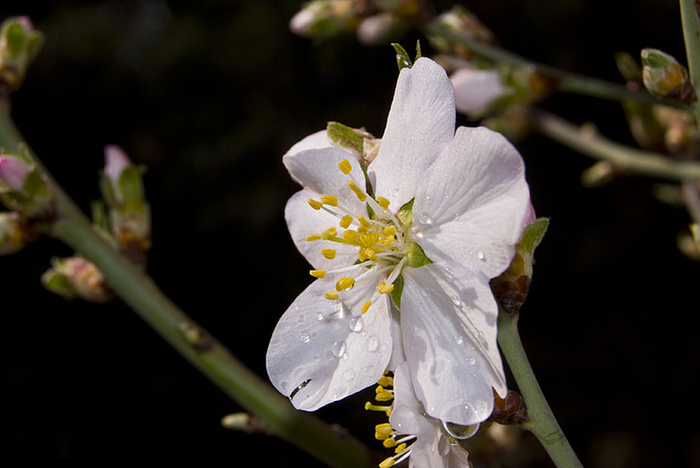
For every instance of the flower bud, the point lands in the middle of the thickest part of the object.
(461, 21)
(19, 44)
(76, 277)
(664, 77)
(12, 233)
(511, 288)
(325, 18)
(23, 188)
(381, 28)
(476, 90)
(129, 214)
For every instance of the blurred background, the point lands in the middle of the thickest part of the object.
(209, 95)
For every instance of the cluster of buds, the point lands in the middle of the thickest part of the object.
(374, 21)
(19, 44)
(76, 277)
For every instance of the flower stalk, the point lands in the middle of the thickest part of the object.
(196, 345)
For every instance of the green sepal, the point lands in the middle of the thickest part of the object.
(131, 187)
(396, 292)
(532, 235)
(405, 214)
(347, 137)
(402, 58)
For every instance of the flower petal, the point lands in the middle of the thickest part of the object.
(475, 89)
(470, 207)
(318, 140)
(421, 123)
(322, 351)
(448, 323)
(303, 221)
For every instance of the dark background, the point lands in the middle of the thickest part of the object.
(209, 95)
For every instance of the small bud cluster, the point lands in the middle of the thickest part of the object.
(19, 44)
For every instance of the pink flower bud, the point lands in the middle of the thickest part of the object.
(116, 161)
(13, 172)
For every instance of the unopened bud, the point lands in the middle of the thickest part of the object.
(23, 187)
(19, 44)
(129, 213)
(476, 90)
(664, 77)
(325, 18)
(76, 277)
(463, 22)
(509, 410)
(381, 28)
(511, 288)
(12, 233)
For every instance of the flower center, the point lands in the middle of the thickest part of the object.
(383, 245)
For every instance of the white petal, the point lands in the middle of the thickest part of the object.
(448, 324)
(302, 221)
(322, 351)
(476, 89)
(318, 140)
(470, 207)
(421, 123)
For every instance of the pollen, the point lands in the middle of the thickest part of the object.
(345, 166)
(384, 288)
(328, 253)
(358, 191)
(318, 273)
(331, 200)
(345, 222)
(365, 307)
(345, 283)
(315, 204)
(313, 237)
(331, 295)
(383, 202)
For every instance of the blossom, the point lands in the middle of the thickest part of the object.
(476, 89)
(411, 433)
(402, 250)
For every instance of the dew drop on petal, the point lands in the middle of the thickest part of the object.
(356, 324)
(456, 301)
(283, 385)
(459, 340)
(460, 432)
(338, 349)
(304, 337)
(471, 360)
(480, 255)
(348, 375)
(424, 218)
(372, 343)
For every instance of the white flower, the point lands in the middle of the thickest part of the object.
(411, 433)
(403, 256)
(476, 89)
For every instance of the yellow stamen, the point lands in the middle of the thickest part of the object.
(384, 288)
(389, 443)
(328, 233)
(385, 408)
(384, 396)
(329, 200)
(365, 307)
(345, 166)
(383, 202)
(346, 221)
(387, 463)
(383, 431)
(329, 254)
(349, 235)
(331, 295)
(363, 221)
(345, 283)
(313, 237)
(318, 273)
(400, 448)
(315, 204)
(358, 192)
(386, 381)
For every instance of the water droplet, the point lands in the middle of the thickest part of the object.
(460, 432)
(456, 301)
(471, 360)
(356, 324)
(424, 218)
(349, 375)
(418, 235)
(459, 340)
(319, 316)
(480, 255)
(338, 349)
(372, 343)
(368, 369)
(283, 385)
(304, 337)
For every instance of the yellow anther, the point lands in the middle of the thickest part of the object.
(349, 235)
(315, 204)
(345, 166)
(345, 222)
(382, 431)
(389, 462)
(390, 231)
(384, 396)
(386, 381)
(345, 283)
(384, 288)
(331, 295)
(329, 254)
(400, 448)
(328, 233)
(313, 237)
(383, 202)
(329, 200)
(365, 307)
(318, 273)
(363, 221)
(389, 443)
(358, 192)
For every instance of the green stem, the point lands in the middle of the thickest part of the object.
(540, 419)
(623, 158)
(691, 35)
(191, 341)
(566, 82)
